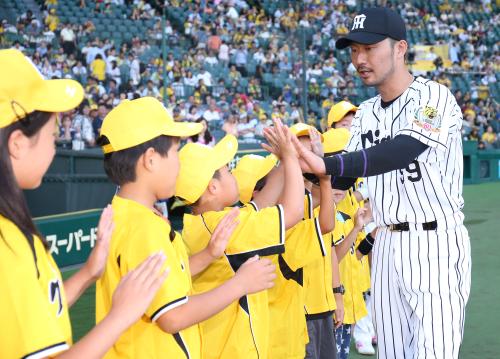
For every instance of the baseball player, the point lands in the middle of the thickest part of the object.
(407, 142)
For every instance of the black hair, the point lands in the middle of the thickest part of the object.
(393, 43)
(207, 137)
(260, 183)
(120, 165)
(13, 205)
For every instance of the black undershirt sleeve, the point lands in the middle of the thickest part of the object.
(387, 156)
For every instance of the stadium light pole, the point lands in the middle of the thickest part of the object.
(303, 77)
(164, 52)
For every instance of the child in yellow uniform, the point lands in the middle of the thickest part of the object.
(242, 329)
(141, 157)
(303, 245)
(350, 228)
(35, 300)
(349, 223)
(319, 300)
(341, 115)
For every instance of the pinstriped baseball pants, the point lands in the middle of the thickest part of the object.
(420, 286)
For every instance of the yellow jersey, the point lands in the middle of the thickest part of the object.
(288, 330)
(319, 299)
(241, 330)
(349, 266)
(365, 284)
(139, 233)
(33, 302)
(98, 67)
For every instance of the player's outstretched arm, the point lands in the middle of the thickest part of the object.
(131, 298)
(253, 276)
(93, 268)
(217, 244)
(292, 197)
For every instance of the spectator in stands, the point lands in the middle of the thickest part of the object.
(230, 126)
(68, 39)
(52, 20)
(246, 127)
(98, 68)
(204, 137)
(264, 122)
(240, 60)
(212, 113)
(66, 129)
(490, 138)
(224, 54)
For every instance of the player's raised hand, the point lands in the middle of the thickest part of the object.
(97, 260)
(256, 275)
(280, 140)
(309, 161)
(222, 233)
(137, 289)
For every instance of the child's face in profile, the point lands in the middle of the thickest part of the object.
(229, 194)
(338, 195)
(167, 171)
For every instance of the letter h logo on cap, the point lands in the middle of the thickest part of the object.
(358, 22)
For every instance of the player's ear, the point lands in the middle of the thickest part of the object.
(401, 49)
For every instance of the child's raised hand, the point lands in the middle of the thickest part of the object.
(280, 140)
(316, 145)
(362, 217)
(222, 233)
(97, 260)
(309, 161)
(256, 275)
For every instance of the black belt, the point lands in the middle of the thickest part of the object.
(405, 226)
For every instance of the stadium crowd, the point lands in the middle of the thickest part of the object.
(236, 64)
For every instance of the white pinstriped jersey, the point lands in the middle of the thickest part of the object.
(430, 187)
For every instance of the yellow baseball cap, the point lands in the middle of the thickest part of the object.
(249, 170)
(23, 89)
(137, 121)
(302, 129)
(339, 110)
(198, 165)
(335, 140)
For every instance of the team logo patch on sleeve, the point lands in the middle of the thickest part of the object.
(428, 118)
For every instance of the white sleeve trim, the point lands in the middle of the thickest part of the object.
(320, 236)
(167, 307)
(51, 350)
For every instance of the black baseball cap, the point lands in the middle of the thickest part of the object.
(373, 25)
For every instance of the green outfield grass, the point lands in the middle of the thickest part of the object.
(482, 218)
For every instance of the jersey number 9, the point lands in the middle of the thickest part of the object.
(414, 170)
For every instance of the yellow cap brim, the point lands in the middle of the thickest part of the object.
(224, 151)
(57, 95)
(182, 129)
(47, 96)
(339, 111)
(306, 133)
(335, 140)
(248, 174)
(198, 165)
